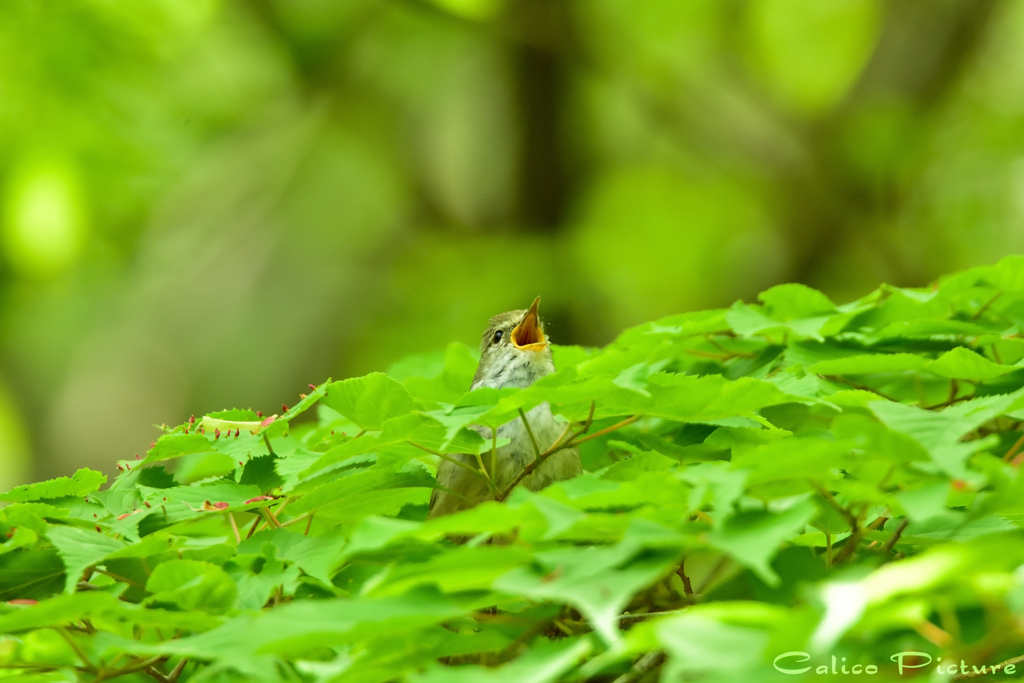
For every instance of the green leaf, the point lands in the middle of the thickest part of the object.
(544, 663)
(960, 363)
(462, 569)
(190, 584)
(753, 538)
(30, 574)
(445, 384)
(303, 627)
(869, 363)
(369, 401)
(81, 483)
(373, 480)
(600, 581)
(792, 301)
(81, 549)
(58, 611)
(260, 472)
(698, 644)
(171, 446)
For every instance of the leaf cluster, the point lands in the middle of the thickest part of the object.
(784, 476)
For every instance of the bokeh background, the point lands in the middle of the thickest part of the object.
(210, 203)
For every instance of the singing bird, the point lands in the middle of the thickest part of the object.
(514, 352)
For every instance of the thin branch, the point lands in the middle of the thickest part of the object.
(309, 523)
(985, 306)
(853, 540)
(946, 404)
(449, 459)
(847, 515)
(176, 671)
(643, 666)
(1002, 665)
(301, 517)
(995, 354)
(1013, 449)
(887, 548)
(118, 577)
(640, 616)
(76, 647)
(234, 527)
(713, 356)
(529, 430)
(606, 430)
(558, 446)
(269, 517)
(687, 588)
(130, 669)
(494, 448)
(277, 513)
(255, 523)
(742, 354)
(857, 385)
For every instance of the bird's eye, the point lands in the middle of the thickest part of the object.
(498, 335)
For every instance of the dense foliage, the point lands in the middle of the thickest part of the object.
(788, 476)
(339, 182)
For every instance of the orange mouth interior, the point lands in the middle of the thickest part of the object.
(528, 336)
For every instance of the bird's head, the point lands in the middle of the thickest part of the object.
(514, 350)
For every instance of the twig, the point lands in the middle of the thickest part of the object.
(853, 540)
(606, 430)
(266, 440)
(640, 616)
(887, 548)
(309, 523)
(1013, 449)
(494, 448)
(559, 445)
(741, 354)
(176, 671)
(269, 517)
(946, 404)
(75, 646)
(480, 461)
(847, 515)
(234, 527)
(985, 306)
(118, 577)
(167, 678)
(30, 665)
(650, 615)
(301, 517)
(130, 669)
(529, 431)
(715, 356)
(992, 669)
(448, 458)
(995, 354)
(686, 579)
(857, 385)
(255, 523)
(643, 666)
(510, 650)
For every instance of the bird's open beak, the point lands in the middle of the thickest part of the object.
(528, 336)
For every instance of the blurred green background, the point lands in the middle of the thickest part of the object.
(210, 203)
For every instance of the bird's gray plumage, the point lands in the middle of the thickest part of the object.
(503, 364)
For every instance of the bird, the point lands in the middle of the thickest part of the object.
(514, 352)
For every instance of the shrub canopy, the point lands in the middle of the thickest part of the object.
(787, 476)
